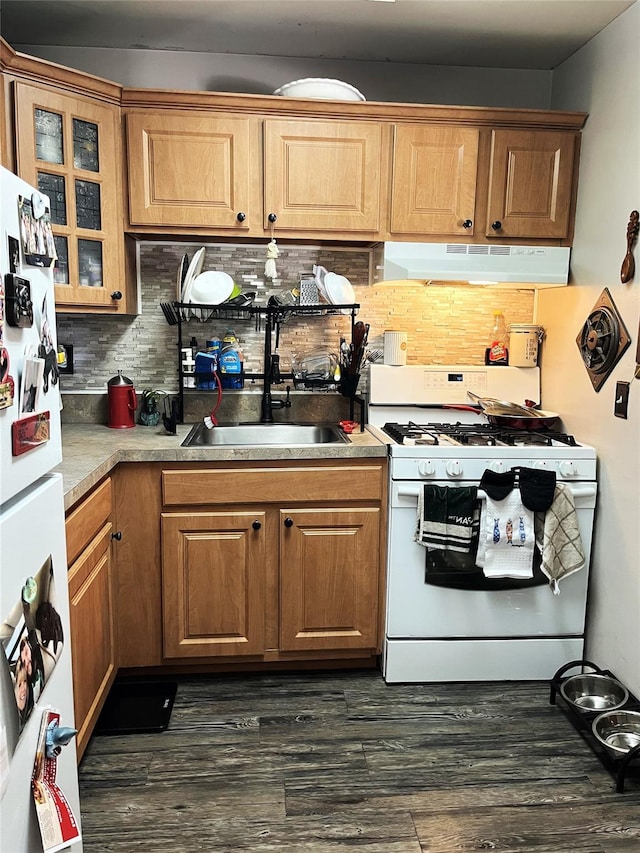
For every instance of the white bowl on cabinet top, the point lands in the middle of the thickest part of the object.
(320, 87)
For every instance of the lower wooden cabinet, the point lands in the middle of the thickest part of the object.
(329, 569)
(250, 563)
(213, 583)
(93, 652)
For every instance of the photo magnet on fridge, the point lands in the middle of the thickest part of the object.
(32, 638)
(32, 379)
(18, 304)
(36, 235)
(14, 253)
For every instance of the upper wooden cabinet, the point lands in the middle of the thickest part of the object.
(189, 170)
(434, 180)
(530, 183)
(323, 176)
(479, 183)
(199, 170)
(220, 164)
(67, 146)
(61, 132)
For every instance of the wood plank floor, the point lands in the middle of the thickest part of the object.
(344, 763)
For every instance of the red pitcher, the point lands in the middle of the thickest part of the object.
(122, 402)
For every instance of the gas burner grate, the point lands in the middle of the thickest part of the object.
(477, 434)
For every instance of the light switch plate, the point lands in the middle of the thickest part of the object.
(622, 400)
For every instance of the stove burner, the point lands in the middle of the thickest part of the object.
(473, 434)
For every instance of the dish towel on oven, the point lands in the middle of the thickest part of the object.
(558, 538)
(445, 519)
(507, 538)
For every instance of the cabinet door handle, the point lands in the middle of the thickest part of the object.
(467, 223)
(288, 522)
(117, 295)
(272, 217)
(497, 225)
(241, 216)
(117, 535)
(256, 525)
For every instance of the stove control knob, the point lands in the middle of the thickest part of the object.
(497, 465)
(454, 468)
(541, 464)
(426, 469)
(568, 469)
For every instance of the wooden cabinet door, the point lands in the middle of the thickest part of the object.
(530, 183)
(213, 583)
(92, 636)
(188, 169)
(434, 180)
(329, 568)
(322, 175)
(68, 147)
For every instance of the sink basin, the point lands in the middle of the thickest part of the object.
(286, 435)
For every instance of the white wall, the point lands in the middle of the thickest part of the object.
(261, 75)
(603, 79)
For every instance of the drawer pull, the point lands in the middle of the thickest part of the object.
(117, 535)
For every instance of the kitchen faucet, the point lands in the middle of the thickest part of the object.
(271, 377)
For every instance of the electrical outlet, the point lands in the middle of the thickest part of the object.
(622, 400)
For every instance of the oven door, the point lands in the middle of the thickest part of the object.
(416, 609)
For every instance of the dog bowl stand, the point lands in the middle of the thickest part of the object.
(582, 721)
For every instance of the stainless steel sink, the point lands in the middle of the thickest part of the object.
(287, 435)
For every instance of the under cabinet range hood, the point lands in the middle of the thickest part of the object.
(540, 266)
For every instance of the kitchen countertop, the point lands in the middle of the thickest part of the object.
(90, 451)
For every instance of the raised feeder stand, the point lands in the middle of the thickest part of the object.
(588, 705)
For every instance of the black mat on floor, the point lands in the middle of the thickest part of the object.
(133, 707)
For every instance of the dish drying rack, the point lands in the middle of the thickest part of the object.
(178, 313)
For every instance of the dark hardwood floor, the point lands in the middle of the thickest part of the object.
(343, 763)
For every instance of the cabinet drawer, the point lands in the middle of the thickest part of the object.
(85, 521)
(273, 485)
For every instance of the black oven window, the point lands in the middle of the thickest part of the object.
(458, 570)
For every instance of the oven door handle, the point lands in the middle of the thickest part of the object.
(576, 491)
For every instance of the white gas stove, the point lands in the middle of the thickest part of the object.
(488, 631)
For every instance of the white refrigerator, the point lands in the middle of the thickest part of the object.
(39, 806)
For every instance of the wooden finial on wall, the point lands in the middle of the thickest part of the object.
(628, 264)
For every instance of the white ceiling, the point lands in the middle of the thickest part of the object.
(531, 34)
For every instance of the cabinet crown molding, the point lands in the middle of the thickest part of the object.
(50, 73)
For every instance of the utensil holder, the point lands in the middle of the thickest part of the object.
(349, 384)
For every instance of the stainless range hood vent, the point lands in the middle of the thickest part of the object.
(476, 263)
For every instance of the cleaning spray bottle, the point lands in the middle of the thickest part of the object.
(230, 363)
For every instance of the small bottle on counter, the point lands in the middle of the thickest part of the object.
(497, 352)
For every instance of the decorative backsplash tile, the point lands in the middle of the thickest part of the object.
(444, 324)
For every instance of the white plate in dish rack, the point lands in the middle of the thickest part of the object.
(339, 289)
(195, 268)
(182, 274)
(211, 288)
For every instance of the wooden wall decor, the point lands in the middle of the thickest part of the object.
(628, 264)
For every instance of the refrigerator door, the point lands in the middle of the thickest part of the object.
(32, 545)
(32, 344)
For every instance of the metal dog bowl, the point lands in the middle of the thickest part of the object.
(618, 731)
(594, 692)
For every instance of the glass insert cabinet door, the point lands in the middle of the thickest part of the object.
(68, 148)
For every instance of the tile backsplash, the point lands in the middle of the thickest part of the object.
(444, 324)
